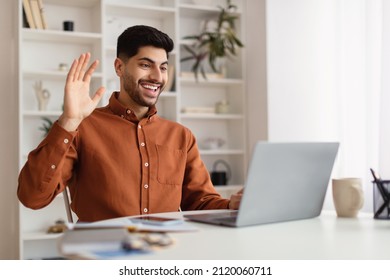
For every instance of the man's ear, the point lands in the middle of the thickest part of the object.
(119, 66)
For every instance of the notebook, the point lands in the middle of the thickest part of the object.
(285, 182)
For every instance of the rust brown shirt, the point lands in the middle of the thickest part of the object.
(118, 166)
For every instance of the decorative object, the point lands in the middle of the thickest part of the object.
(217, 40)
(68, 25)
(63, 67)
(222, 107)
(198, 110)
(43, 95)
(58, 227)
(212, 143)
(220, 178)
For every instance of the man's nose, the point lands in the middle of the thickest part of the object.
(155, 74)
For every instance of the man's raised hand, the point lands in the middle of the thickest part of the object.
(77, 101)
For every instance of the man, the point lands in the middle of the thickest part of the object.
(122, 159)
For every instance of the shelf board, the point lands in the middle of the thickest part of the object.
(211, 116)
(56, 36)
(197, 11)
(52, 74)
(128, 9)
(35, 113)
(76, 3)
(214, 82)
(201, 11)
(31, 236)
(168, 94)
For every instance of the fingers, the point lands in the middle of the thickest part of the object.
(98, 95)
(88, 74)
(83, 62)
(78, 69)
(72, 71)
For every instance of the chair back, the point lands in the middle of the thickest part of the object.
(67, 204)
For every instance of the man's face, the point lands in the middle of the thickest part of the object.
(145, 75)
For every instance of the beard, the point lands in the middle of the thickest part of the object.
(132, 87)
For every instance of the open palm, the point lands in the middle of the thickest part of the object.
(78, 103)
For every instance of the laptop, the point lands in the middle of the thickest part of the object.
(285, 182)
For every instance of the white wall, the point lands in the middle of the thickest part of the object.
(9, 131)
(324, 79)
(301, 70)
(385, 112)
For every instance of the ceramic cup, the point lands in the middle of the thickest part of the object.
(347, 196)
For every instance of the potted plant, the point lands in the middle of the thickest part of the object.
(214, 42)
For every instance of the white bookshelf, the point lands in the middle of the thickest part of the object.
(97, 26)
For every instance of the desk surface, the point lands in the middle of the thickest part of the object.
(324, 237)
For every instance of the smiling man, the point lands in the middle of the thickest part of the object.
(122, 159)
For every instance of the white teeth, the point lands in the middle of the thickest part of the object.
(150, 87)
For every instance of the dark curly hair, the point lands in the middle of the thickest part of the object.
(138, 36)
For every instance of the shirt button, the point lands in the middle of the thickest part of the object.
(146, 164)
(53, 166)
(128, 111)
(142, 144)
(139, 126)
(145, 210)
(122, 116)
(66, 140)
(146, 186)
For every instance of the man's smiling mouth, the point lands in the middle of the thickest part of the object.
(151, 87)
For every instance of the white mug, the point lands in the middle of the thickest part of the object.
(348, 196)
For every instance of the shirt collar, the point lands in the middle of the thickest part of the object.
(118, 109)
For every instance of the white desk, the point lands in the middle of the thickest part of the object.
(324, 237)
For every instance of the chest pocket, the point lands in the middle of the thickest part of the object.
(171, 165)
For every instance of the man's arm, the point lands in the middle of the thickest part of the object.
(49, 167)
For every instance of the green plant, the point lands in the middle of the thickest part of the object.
(46, 125)
(209, 45)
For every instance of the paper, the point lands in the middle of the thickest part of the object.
(126, 223)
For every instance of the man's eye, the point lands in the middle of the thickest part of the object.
(164, 69)
(144, 65)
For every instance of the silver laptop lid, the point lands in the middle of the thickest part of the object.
(286, 181)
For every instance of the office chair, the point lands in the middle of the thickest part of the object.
(67, 205)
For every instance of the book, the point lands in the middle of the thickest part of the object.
(43, 16)
(25, 21)
(28, 12)
(36, 13)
